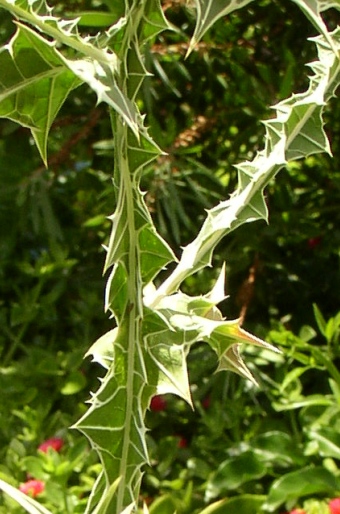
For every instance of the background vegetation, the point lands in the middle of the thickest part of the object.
(241, 442)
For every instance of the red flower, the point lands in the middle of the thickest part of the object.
(32, 487)
(206, 402)
(158, 403)
(334, 506)
(313, 242)
(55, 442)
(182, 443)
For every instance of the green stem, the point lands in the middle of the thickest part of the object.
(17, 339)
(133, 313)
(326, 361)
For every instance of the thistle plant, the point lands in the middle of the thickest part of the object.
(155, 323)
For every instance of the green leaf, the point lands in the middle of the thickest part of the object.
(95, 18)
(225, 340)
(116, 292)
(154, 21)
(98, 69)
(137, 72)
(155, 253)
(328, 441)
(34, 84)
(305, 482)
(166, 504)
(278, 448)
(102, 350)
(208, 12)
(120, 441)
(234, 472)
(187, 320)
(74, 383)
(245, 503)
(167, 349)
(302, 401)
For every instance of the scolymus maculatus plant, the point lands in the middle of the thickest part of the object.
(145, 354)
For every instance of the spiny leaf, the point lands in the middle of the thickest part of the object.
(208, 12)
(99, 69)
(142, 151)
(228, 354)
(116, 292)
(114, 422)
(312, 9)
(39, 78)
(102, 350)
(39, 15)
(101, 79)
(296, 131)
(154, 21)
(155, 253)
(119, 441)
(168, 353)
(183, 320)
(137, 71)
(34, 84)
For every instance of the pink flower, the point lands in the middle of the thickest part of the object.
(158, 403)
(32, 487)
(55, 442)
(334, 506)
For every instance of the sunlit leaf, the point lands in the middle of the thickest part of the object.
(296, 131)
(34, 84)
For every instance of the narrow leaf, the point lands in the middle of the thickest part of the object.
(320, 320)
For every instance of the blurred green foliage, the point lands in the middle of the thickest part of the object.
(205, 112)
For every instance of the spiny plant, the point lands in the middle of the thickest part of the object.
(155, 325)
